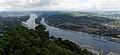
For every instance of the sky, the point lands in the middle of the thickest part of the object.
(66, 5)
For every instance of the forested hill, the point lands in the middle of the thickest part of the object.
(86, 23)
(23, 41)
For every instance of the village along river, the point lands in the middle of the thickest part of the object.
(80, 38)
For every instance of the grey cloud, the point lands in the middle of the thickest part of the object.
(18, 3)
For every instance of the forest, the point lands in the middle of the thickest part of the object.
(85, 23)
(22, 41)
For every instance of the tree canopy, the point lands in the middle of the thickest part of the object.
(23, 41)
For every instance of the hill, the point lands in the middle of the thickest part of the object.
(23, 41)
(85, 23)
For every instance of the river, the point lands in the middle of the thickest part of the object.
(30, 23)
(80, 38)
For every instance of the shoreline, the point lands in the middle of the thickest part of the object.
(93, 49)
(113, 39)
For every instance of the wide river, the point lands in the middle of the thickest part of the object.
(30, 23)
(80, 38)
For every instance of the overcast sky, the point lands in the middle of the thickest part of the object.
(69, 5)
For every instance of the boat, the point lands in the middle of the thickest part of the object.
(99, 39)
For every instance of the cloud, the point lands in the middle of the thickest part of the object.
(22, 4)
(68, 5)
(103, 4)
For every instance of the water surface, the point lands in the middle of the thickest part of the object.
(30, 23)
(80, 38)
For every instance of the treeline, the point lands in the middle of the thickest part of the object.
(23, 41)
(88, 24)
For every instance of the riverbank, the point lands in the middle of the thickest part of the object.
(113, 39)
(97, 52)
(87, 24)
(82, 38)
(90, 48)
(69, 46)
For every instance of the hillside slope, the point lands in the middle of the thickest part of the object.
(23, 41)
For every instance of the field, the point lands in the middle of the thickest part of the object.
(78, 14)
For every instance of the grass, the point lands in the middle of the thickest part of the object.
(78, 14)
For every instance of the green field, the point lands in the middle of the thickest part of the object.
(78, 14)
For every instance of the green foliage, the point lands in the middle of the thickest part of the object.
(78, 14)
(85, 23)
(23, 41)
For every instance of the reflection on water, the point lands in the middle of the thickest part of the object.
(82, 38)
(30, 23)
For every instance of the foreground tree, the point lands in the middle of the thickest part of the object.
(23, 41)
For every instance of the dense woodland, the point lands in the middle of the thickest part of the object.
(23, 41)
(88, 23)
